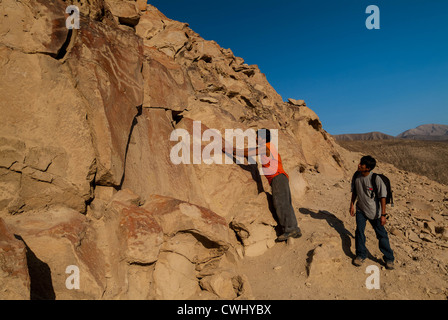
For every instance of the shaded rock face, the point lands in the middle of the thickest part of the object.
(86, 177)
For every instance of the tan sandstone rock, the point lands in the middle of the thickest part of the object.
(86, 173)
(14, 277)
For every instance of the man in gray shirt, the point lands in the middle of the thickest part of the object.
(369, 207)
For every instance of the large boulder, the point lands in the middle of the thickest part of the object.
(47, 142)
(149, 168)
(57, 239)
(33, 26)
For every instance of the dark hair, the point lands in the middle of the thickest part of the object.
(264, 134)
(369, 161)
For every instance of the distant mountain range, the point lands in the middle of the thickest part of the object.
(424, 132)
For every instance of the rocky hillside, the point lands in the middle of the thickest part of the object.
(423, 157)
(363, 136)
(92, 205)
(426, 132)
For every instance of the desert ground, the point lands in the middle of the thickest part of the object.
(319, 264)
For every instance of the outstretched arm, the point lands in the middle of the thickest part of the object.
(247, 152)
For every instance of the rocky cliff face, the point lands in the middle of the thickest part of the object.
(88, 186)
(86, 175)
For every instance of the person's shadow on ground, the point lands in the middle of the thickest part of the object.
(338, 225)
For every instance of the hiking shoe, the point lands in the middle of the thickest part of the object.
(358, 261)
(293, 234)
(390, 265)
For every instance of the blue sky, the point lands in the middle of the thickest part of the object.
(357, 80)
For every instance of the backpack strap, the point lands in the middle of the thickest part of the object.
(374, 186)
(355, 176)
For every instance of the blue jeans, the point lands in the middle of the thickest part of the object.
(381, 235)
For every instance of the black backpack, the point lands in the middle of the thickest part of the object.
(386, 180)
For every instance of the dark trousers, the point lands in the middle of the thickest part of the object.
(281, 197)
(381, 235)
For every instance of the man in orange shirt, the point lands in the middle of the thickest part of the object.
(279, 180)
